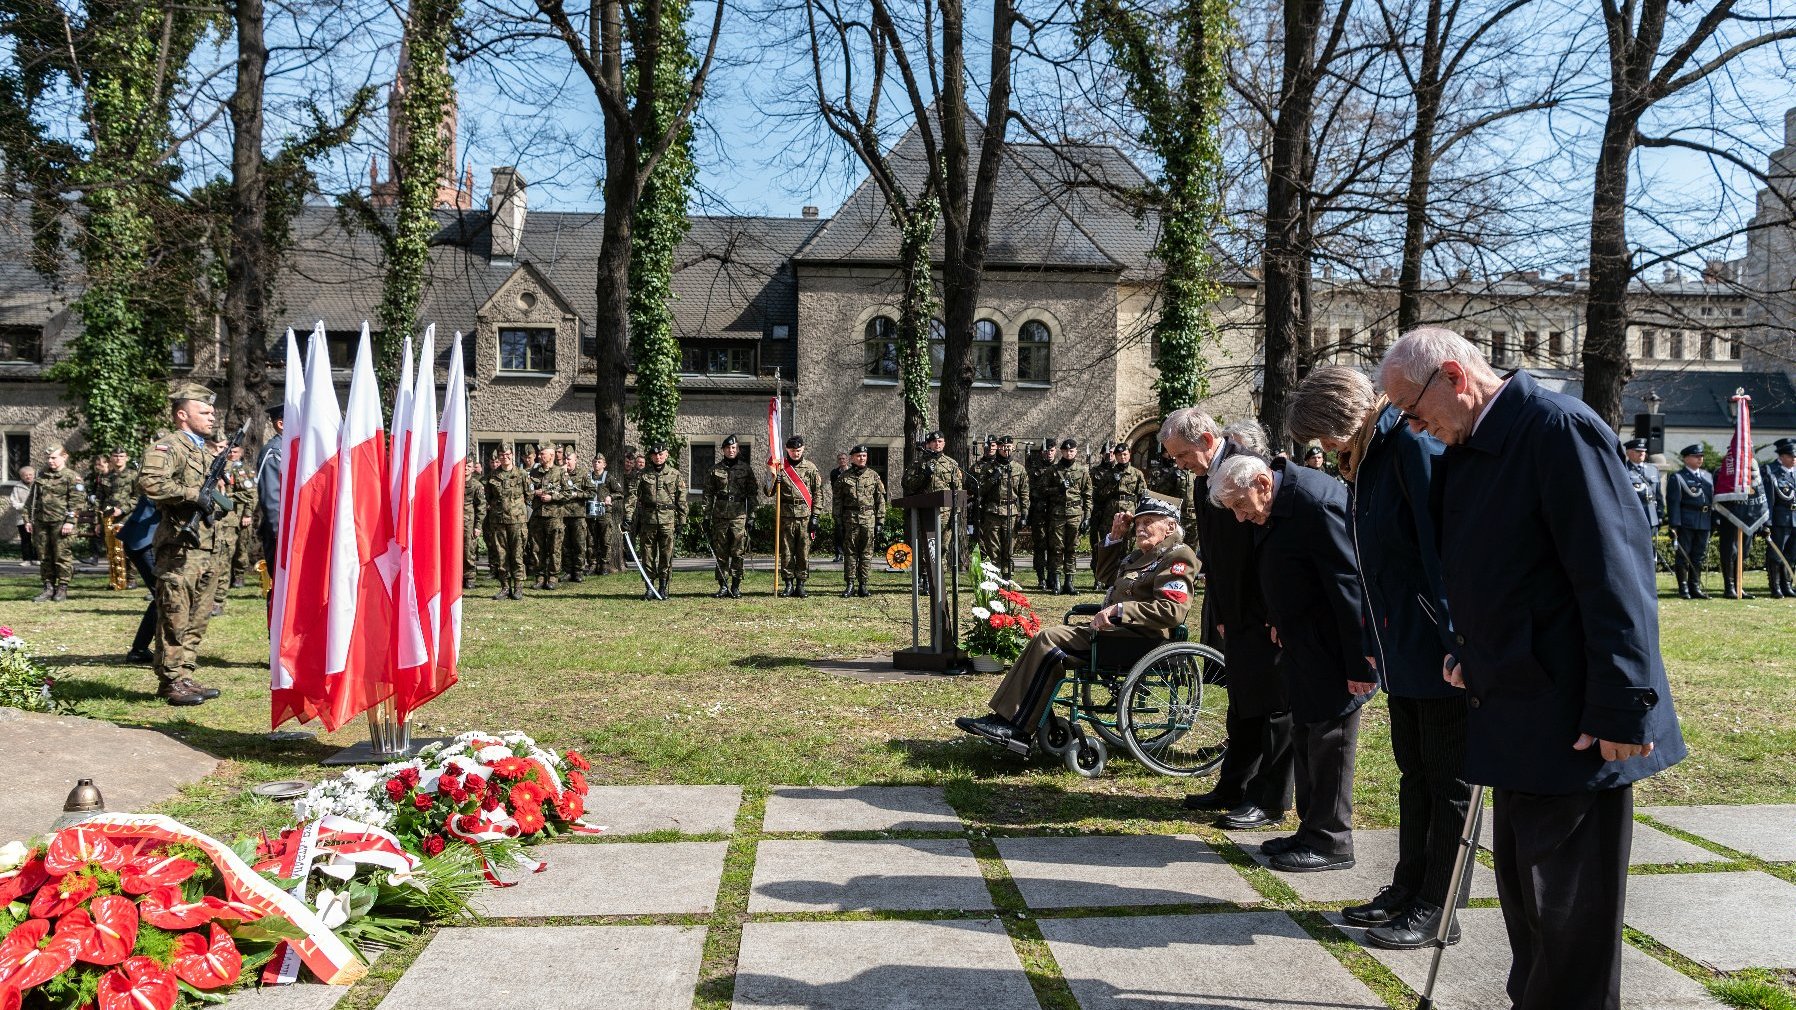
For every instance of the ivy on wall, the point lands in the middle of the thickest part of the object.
(916, 227)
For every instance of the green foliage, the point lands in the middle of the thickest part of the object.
(1173, 70)
(1754, 989)
(916, 227)
(26, 683)
(659, 225)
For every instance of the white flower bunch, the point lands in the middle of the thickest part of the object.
(998, 607)
(982, 613)
(357, 794)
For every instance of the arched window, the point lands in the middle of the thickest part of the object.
(880, 348)
(938, 347)
(987, 345)
(1032, 352)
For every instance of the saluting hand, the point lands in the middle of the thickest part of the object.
(1613, 751)
(1119, 526)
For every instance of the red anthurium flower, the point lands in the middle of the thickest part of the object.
(207, 963)
(166, 907)
(59, 897)
(9, 996)
(141, 875)
(26, 961)
(73, 848)
(112, 929)
(20, 942)
(236, 910)
(24, 880)
(138, 984)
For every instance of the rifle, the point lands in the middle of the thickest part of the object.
(212, 504)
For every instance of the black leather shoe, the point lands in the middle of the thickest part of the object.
(863, 591)
(1684, 592)
(1248, 816)
(1696, 592)
(1304, 859)
(1416, 927)
(1212, 800)
(1392, 902)
(191, 686)
(138, 656)
(992, 727)
(801, 593)
(848, 591)
(1279, 845)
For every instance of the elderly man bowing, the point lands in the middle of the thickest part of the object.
(1313, 600)
(1152, 596)
(1547, 566)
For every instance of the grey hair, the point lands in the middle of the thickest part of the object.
(1249, 434)
(1188, 424)
(1331, 402)
(1235, 475)
(1416, 355)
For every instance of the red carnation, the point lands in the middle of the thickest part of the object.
(422, 802)
(574, 760)
(433, 846)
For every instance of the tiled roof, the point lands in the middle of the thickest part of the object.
(26, 298)
(1693, 398)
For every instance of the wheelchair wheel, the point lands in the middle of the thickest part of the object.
(1086, 756)
(1057, 736)
(1172, 709)
(1098, 701)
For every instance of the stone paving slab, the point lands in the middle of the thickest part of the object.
(1374, 858)
(1767, 831)
(299, 996)
(1743, 919)
(1122, 870)
(638, 810)
(1653, 847)
(554, 968)
(627, 878)
(1474, 970)
(44, 754)
(880, 966)
(852, 876)
(1224, 961)
(860, 808)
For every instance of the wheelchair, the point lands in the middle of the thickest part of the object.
(1160, 699)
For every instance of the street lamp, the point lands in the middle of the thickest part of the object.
(1653, 399)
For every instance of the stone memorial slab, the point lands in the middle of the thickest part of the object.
(1474, 970)
(554, 968)
(852, 876)
(1374, 857)
(627, 878)
(1653, 847)
(860, 808)
(1224, 961)
(879, 966)
(1122, 870)
(638, 810)
(1725, 920)
(299, 996)
(45, 754)
(1767, 831)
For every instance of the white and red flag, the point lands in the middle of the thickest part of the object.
(1737, 494)
(417, 538)
(452, 459)
(776, 455)
(303, 558)
(357, 671)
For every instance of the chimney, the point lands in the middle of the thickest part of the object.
(1717, 272)
(809, 212)
(1671, 275)
(506, 205)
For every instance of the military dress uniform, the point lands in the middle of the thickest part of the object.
(507, 515)
(1123, 485)
(1003, 504)
(657, 512)
(603, 508)
(173, 478)
(473, 506)
(730, 494)
(56, 500)
(1780, 532)
(797, 521)
(932, 471)
(1645, 479)
(860, 511)
(1066, 497)
(1689, 507)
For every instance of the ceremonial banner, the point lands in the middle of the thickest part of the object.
(452, 453)
(308, 507)
(1738, 496)
(360, 611)
(776, 454)
(418, 541)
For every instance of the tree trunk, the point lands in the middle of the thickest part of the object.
(916, 227)
(1421, 174)
(245, 282)
(1606, 365)
(1286, 261)
(611, 324)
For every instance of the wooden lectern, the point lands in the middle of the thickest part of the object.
(941, 591)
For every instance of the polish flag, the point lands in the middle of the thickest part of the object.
(302, 567)
(360, 608)
(418, 599)
(452, 453)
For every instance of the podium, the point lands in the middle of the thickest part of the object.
(938, 587)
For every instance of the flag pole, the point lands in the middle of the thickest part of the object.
(772, 453)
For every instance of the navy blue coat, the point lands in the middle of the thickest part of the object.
(1232, 599)
(139, 529)
(1312, 593)
(1406, 627)
(1690, 499)
(1780, 487)
(1549, 571)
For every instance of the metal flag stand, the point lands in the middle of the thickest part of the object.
(389, 739)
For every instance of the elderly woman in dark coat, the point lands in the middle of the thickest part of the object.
(1151, 597)
(1406, 636)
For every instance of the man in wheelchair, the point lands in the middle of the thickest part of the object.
(1151, 597)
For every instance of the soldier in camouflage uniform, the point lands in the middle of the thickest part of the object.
(1003, 504)
(507, 513)
(1067, 501)
(605, 503)
(242, 560)
(933, 470)
(860, 511)
(119, 496)
(240, 486)
(549, 493)
(532, 464)
(173, 478)
(797, 520)
(730, 494)
(1123, 486)
(657, 515)
(51, 515)
(573, 517)
(1165, 477)
(1039, 464)
(473, 505)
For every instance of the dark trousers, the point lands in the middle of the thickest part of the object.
(1323, 755)
(1777, 569)
(1733, 541)
(1257, 767)
(1428, 742)
(1562, 878)
(144, 560)
(27, 545)
(1687, 556)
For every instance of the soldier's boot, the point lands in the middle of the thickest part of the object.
(1684, 590)
(237, 583)
(467, 580)
(1696, 592)
(661, 585)
(192, 686)
(848, 589)
(504, 592)
(549, 583)
(173, 694)
(785, 587)
(575, 576)
(863, 590)
(517, 592)
(62, 594)
(735, 587)
(217, 609)
(800, 591)
(47, 595)
(1066, 585)
(723, 592)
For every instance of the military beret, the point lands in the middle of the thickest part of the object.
(1152, 503)
(730, 440)
(795, 442)
(857, 450)
(1069, 443)
(1692, 450)
(1635, 443)
(991, 440)
(1314, 450)
(53, 449)
(119, 450)
(930, 436)
(656, 447)
(275, 411)
(190, 391)
(1785, 446)
(1006, 440)
(1123, 447)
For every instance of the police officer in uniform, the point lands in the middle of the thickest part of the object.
(602, 511)
(798, 523)
(1067, 499)
(730, 493)
(242, 558)
(657, 514)
(1645, 478)
(1780, 533)
(860, 510)
(1125, 484)
(507, 516)
(1689, 502)
(52, 512)
(933, 470)
(173, 478)
(1003, 502)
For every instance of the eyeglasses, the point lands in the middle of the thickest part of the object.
(1408, 415)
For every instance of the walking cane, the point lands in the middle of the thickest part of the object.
(1462, 868)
